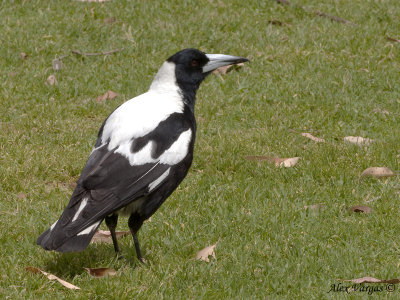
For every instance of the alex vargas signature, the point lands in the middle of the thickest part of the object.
(361, 288)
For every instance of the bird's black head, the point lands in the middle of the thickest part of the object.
(189, 73)
(192, 66)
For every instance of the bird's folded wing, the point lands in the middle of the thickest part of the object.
(112, 178)
(110, 183)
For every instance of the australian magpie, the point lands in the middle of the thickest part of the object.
(143, 151)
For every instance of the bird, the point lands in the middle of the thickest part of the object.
(144, 150)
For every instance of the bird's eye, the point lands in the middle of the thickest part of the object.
(195, 63)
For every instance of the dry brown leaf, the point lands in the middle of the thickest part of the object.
(107, 96)
(318, 206)
(24, 55)
(52, 80)
(311, 137)
(279, 162)
(21, 196)
(378, 172)
(289, 162)
(53, 277)
(361, 208)
(358, 140)
(104, 236)
(101, 272)
(206, 252)
(225, 69)
(368, 279)
(12, 74)
(109, 20)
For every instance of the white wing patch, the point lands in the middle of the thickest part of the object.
(178, 150)
(89, 229)
(171, 156)
(81, 207)
(160, 179)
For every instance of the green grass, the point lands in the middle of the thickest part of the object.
(310, 75)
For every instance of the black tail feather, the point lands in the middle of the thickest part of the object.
(73, 244)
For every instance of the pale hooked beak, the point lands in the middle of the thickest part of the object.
(220, 60)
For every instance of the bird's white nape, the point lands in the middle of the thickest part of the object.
(165, 80)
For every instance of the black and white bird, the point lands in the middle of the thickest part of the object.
(143, 151)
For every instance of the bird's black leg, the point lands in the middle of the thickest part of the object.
(134, 223)
(111, 222)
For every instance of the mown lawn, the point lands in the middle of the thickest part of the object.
(307, 74)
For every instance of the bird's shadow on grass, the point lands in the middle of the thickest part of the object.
(69, 265)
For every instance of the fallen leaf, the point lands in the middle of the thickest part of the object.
(289, 162)
(206, 252)
(101, 272)
(368, 279)
(21, 196)
(104, 236)
(361, 208)
(378, 172)
(57, 64)
(279, 162)
(52, 80)
(311, 137)
(318, 206)
(12, 74)
(225, 69)
(53, 277)
(109, 20)
(107, 96)
(358, 140)
(24, 55)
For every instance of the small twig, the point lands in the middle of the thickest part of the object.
(392, 39)
(320, 13)
(99, 53)
(332, 17)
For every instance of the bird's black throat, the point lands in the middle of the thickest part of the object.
(188, 92)
(189, 73)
